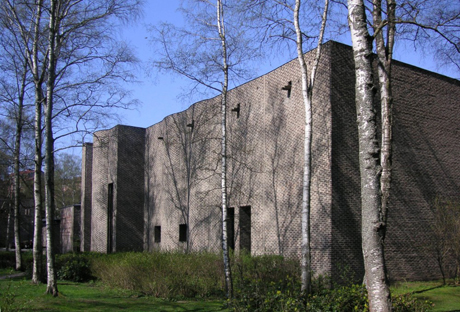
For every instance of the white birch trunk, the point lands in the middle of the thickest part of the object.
(17, 155)
(307, 95)
(371, 227)
(37, 273)
(49, 147)
(227, 269)
(385, 57)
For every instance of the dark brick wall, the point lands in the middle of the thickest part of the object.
(346, 200)
(426, 165)
(169, 173)
(129, 192)
(86, 187)
(118, 158)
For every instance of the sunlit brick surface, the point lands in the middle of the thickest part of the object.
(169, 173)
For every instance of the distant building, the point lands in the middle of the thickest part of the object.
(159, 188)
(26, 210)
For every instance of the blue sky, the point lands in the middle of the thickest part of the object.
(159, 94)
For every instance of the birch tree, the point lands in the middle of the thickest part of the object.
(372, 226)
(307, 95)
(384, 47)
(14, 84)
(208, 56)
(223, 40)
(70, 49)
(281, 22)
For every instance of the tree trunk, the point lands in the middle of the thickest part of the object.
(37, 274)
(49, 149)
(227, 269)
(307, 94)
(385, 56)
(17, 182)
(8, 224)
(371, 227)
(306, 248)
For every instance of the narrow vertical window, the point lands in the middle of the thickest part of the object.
(245, 228)
(109, 217)
(182, 232)
(157, 233)
(231, 228)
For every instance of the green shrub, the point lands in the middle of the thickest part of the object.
(75, 267)
(345, 298)
(265, 283)
(408, 303)
(8, 260)
(165, 275)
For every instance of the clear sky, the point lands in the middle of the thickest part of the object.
(159, 94)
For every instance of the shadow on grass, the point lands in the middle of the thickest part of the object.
(428, 289)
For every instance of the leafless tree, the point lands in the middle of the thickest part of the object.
(372, 225)
(209, 55)
(307, 94)
(68, 174)
(70, 46)
(282, 22)
(15, 82)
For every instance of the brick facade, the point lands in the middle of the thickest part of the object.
(160, 186)
(86, 187)
(70, 226)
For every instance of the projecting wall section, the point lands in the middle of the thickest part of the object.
(70, 228)
(129, 192)
(117, 193)
(86, 194)
(346, 200)
(425, 166)
(265, 124)
(104, 159)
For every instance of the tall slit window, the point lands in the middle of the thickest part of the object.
(182, 232)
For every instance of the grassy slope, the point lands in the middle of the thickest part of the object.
(444, 298)
(93, 297)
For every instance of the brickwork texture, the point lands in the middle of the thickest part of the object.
(159, 188)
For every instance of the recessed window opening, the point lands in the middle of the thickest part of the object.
(157, 234)
(237, 110)
(191, 125)
(245, 228)
(109, 217)
(182, 232)
(231, 228)
(288, 88)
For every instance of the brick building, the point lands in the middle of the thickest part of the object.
(159, 188)
(69, 227)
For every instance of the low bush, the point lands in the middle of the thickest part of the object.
(165, 275)
(8, 260)
(408, 303)
(75, 267)
(261, 282)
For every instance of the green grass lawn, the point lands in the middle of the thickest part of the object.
(96, 297)
(444, 298)
(92, 297)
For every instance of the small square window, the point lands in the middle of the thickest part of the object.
(182, 232)
(157, 234)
